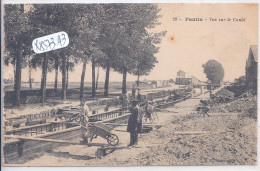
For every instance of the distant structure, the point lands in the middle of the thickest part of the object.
(251, 66)
(188, 81)
(181, 74)
(148, 84)
(162, 83)
(195, 81)
(154, 83)
(8, 81)
(171, 81)
(183, 81)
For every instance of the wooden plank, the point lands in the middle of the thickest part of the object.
(28, 127)
(115, 124)
(223, 114)
(120, 130)
(192, 132)
(40, 139)
(53, 140)
(127, 147)
(64, 122)
(33, 132)
(71, 112)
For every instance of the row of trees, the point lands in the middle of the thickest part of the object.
(111, 36)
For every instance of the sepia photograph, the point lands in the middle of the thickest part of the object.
(129, 84)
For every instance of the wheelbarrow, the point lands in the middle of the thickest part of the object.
(104, 131)
(71, 116)
(68, 115)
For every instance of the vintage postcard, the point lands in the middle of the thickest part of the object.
(129, 84)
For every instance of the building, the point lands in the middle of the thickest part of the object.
(183, 81)
(195, 81)
(146, 84)
(251, 66)
(181, 74)
(162, 83)
(188, 81)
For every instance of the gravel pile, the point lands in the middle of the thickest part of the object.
(230, 142)
(247, 106)
(225, 93)
(222, 96)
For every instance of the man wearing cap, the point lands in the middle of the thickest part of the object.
(84, 114)
(132, 126)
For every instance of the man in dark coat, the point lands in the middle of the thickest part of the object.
(132, 126)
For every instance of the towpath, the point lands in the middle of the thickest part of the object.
(78, 155)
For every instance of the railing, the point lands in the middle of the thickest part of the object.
(38, 129)
(108, 115)
(45, 114)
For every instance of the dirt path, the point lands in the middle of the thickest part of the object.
(81, 155)
(226, 139)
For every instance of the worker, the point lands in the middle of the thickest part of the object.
(148, 109)
(125, 101)
(139, 97)
(133, 92)
(122, 100)
(107, 107)
(140, 118)
(84, 121)
(132, 126)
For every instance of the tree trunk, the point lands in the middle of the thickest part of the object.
(93, 78)
(14, 69)
(44, 78)
(124, 82)
(56, 73)
(97, 78)
(82, 80)
(138, 82)
(67, 78)
(107, 80)
(63, 77)
(17, 79)
(30, 74)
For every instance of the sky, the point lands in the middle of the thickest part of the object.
(189, 44)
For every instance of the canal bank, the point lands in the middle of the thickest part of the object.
(55, 131)
(72, 155)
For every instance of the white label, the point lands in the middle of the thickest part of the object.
(50, 42)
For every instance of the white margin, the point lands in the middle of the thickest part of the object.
(143, 168)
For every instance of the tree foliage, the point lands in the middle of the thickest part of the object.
(214, 71)
(17, 40)
(112, 36)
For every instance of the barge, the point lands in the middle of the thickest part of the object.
(45, 136)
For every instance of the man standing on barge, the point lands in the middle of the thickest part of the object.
(132, 126)
(84, 120)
